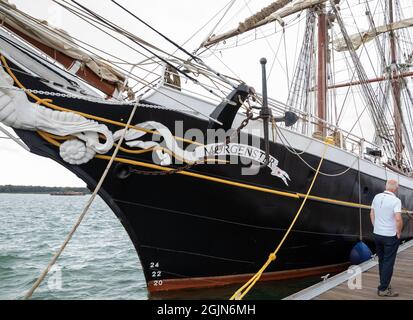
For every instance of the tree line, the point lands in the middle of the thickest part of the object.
(39, 189)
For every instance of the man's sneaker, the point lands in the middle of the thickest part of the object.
(387, 293)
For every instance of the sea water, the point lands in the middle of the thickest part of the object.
(100, 262)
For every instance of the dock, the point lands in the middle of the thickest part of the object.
(360, 282)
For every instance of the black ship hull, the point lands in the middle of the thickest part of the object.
(215, 226)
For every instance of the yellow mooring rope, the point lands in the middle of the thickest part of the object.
(241, 292)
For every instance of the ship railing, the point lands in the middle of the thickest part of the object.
(161, 79)
(344, 139)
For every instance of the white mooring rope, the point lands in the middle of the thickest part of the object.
(11, 137)
(85, 210)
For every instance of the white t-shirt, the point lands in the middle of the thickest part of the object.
(385, 205)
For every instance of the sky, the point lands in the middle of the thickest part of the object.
(179, 20)
(19, 167)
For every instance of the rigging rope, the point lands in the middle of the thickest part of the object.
(241, 292)
(133, 38)
(153, 29)
(292, 150)
(373, 104)
(228, 7)
(378, 112)
(196, 33)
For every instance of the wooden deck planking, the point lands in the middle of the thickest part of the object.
(336, 288)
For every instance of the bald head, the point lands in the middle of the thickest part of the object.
(392, 185)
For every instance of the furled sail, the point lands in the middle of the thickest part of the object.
(366, 36)
(41, 34)
(262, 14)
(276, 11)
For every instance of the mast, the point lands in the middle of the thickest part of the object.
(322, 68)
(396, 91)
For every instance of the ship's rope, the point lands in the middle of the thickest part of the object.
(85, 210)
(291, 149)
(227, 7)
(11, 137)
(241, 292)
(359, 192)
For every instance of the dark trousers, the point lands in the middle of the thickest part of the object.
(386, 249)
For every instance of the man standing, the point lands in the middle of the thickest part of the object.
(388, 224)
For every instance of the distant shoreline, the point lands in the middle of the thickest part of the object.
(9, 189)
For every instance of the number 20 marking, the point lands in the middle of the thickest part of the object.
(157, 283)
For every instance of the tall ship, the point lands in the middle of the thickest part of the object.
(208, 173)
